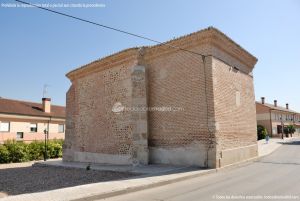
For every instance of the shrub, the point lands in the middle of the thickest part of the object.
(18, 151)
(36, 150)
(54, 149)
(13, 151)
(261, 132)
(4, 154)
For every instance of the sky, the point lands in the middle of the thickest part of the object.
(38, 47)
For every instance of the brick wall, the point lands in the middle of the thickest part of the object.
(177, 81)
(234, 106)
(92, 126)
(235, 115)
(213, 105)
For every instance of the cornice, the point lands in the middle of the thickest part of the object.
(211, 37)
(118, 58)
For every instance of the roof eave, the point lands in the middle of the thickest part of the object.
(44, 116)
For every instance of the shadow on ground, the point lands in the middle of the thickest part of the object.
(290, 143)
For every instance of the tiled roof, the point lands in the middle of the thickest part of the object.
(271, 106)
(181, 38)
(8, 106)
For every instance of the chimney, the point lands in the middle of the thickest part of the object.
(275, 103)
(46, 105)
(287, 106)
(262, 100)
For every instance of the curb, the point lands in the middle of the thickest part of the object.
(156, 182)
(144, 187)
(162, 183)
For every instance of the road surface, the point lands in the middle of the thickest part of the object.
(274, 177)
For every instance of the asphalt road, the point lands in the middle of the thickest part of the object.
(274, 177)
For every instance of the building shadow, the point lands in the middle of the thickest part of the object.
(290, 143)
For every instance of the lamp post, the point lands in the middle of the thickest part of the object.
(46, 132)
(282, 126)
(45, 154)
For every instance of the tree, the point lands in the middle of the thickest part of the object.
(261, 132)
(290, 129)
(286, 131)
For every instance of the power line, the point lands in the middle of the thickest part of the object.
(108, 27)
(142, 37)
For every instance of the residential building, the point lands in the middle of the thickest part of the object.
(164, 105)
(274, 117)
(27, 121)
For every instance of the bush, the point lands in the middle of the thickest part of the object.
(54, 149)
(36, 150)
(261, 132)
(4, 154)
(13, 151)
(18, 151)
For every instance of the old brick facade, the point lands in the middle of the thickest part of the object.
(213, 123)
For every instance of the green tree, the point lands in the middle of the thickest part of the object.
(291, 129)
(261, 132)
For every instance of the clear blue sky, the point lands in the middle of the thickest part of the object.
(38, 47)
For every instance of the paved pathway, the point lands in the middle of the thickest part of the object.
(277, 174)
(265, 176)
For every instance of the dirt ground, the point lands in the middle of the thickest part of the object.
(23, 178)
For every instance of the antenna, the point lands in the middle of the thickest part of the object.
(45, 90)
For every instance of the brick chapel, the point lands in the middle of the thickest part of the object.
(165, 105)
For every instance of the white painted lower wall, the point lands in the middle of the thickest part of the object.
(193, 155)
(88, 157)
(239, 154)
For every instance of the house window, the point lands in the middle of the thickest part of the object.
(4, 126)
(61, 128)
(20, 135)
(33, 128)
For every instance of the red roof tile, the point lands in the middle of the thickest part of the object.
(8, 106)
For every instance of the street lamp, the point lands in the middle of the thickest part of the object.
(282, 126)
(45, 154)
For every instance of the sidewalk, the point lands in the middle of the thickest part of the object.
(153, 176)
(148, 170)
(108, 189)
(274, 143)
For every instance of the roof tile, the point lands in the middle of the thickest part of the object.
(9, 106)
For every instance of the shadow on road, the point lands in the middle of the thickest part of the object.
(290, 143)
(278, 163)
